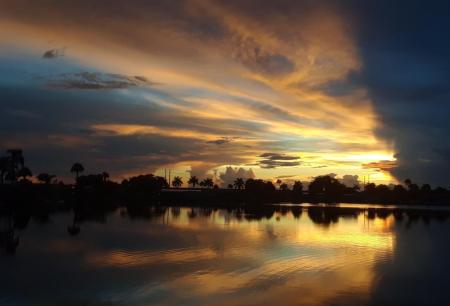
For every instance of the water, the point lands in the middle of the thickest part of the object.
(191, 256)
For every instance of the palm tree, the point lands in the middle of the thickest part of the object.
(46, 178)
(193, 180)
(4, 161)
(24, 172)
(207, 183)
(105, 176)
(177, 182)
(239, 183)
(298, 186)
(16, 156)
(284, 187)
(13, 163)
(77, 168)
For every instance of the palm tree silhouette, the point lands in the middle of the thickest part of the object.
(4, 161)
(298, 186)
(239, 183)
(193, 180)
(12, 164)
(77, 168)
(16, 156)
(105, 176)
(207, 183)
(177, 181)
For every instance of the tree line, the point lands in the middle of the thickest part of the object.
(14, 171)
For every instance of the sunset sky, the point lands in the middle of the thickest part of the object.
(281, 89)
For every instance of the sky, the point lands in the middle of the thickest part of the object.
(226, 89)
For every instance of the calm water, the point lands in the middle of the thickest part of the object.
(191, 256)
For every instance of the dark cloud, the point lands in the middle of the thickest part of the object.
(220, 141)
(270, 164)
(252, 55)
(285, 176)
(54, 53)
(384, 165)
(56, 128)
(273, 160)
(95, 81)
(277, 156)
(402, 46)
(406, 69)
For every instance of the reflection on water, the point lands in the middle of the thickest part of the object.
(283, 255)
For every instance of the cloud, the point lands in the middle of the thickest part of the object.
(231, 174)
(270, 164)
(57, 129)
(350, 180)
(285, 176)
(259, 76)
(220, 141)
(253, 55)
(95, 81)
(54, 53)
(277, 156)
(383, 165)
(273, 160)
(406, 69)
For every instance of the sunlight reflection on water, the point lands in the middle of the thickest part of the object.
(208, 257)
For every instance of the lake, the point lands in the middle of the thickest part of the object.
(279, 255)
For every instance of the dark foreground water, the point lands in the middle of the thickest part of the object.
(173, 256)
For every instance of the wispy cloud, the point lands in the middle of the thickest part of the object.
(54, 53)
(235, 85)
(273, 160)
(95, 81)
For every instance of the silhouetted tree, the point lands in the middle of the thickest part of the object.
(177, 182)
(326, 185)
(77, 168)
(239, 183)
(382, 191)
(90, 180)
(193, 180)
(4, 163)
(426, 188)
(16, 156)
(297, 187)
(207, 183)
(284, 187)
(230, 186)
(105, 176)
(370, 188)
(144, 184)
(259, 185)
(11, 164)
